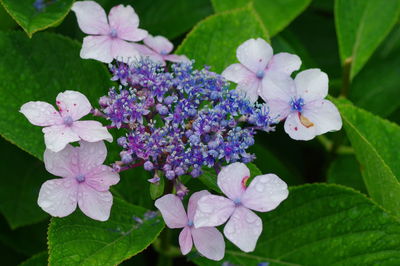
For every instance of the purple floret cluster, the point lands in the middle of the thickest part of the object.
(181, 120)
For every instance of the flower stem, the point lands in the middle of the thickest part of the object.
(346, 77)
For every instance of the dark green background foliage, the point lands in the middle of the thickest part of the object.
(352, 219)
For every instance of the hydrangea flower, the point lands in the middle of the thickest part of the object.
(244, 227)
(179, 121)
(257, 63)
(62, 127)
(85, 181)
(110, 38)
(207, 240)
(302, 103)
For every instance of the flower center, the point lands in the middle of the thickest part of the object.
(80, 178)
(68, 121)
(190, 223)
(113, 33)
(260, 74)
(237, 202)
(297, 105)
(163, 52)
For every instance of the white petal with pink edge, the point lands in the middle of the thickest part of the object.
(94, 204)
(63, 163)
(91, 17)
(172, 211)
(58, 197)
(277, 86)
(254, 54)
(299, 127)
(73, 104)
(213, 211)
(160, 44)
(209, 242)
(185, 240)
(192, 206)
(243, 229)
(124, 51)
(91, 155)
(91, 131)
(101, 178)
(57, 137)
(41, 113)
(324, 114)
(231, 180)
(284, 63)
(176, 58)
(237, 73)
(311, 85)
(265, 193)
(98, 48)
(249, 88)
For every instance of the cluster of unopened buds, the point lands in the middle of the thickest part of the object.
(174, 120)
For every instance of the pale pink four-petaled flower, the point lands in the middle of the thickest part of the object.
(257, 63)
(301, 101)
(85, 181)
(62, 127)
(158, 49)
(244, 227)
(207, 240)
(109, 39)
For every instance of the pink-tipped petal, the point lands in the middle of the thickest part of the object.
(237, 73)
(57, 137)
(146, 52)
(124, 51)
(101, 178)
(160, 44)
(254, 54)
(41, 114)
(91, 17)
(124, 21)
(213, 211)
(91, 131)
(232, 180)
(185, 240)
(94, 204)
(91, 155)
(311, 85)
(192, 206)
(285, 63)
(265, 193)
(172, 211)
(73, 104)
(177, 58)
(209, 242)
(97, 48)
(58, 197)
(63, 163)
(299, 130)
(278, 110)
(250, 88)
(324, 115)
(243, 229)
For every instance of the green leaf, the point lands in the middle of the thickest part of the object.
(214, 40)
(275, 14)
(361, 26)
(38, 69)
(376, 87)
(18, 196)
(33, 20)
(376, 143)
(209, 176)
(39, 259)
(79, 240)
(345, 170)
(157, 189)
(322, 225)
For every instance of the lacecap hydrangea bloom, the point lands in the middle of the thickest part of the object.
(174, 120)
(180, 121)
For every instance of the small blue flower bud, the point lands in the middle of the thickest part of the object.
(170, 174)
(148, 166)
